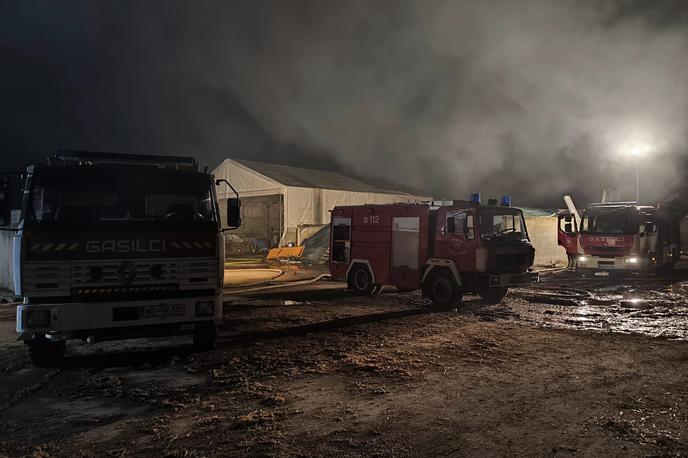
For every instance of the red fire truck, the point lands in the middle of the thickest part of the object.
(445, 249)
(623, 236)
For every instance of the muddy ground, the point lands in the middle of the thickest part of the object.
(575, 366)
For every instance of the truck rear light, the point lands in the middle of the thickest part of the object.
(38, 318)
(205, 308)
(632, 260)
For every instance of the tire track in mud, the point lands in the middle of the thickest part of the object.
(320, 326)
(47, 377)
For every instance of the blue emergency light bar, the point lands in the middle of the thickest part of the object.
(506, 201)
(475, 198)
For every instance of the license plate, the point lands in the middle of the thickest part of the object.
(606, 266)
(153, 311)
(602, 274)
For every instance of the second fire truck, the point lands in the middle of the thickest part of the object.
(446, 249)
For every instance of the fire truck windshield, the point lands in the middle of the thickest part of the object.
(115, 196)
(502, 221)
(619, 220)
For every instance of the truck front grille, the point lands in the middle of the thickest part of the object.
(119, 277)
(608, 249)
(42, 279)
(509, 262)
(123, 272)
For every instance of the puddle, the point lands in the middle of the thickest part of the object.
(658, 310)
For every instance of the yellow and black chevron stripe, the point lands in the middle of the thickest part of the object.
(191, 245)
(53, 247)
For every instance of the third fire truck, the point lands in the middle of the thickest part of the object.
(623, 236)
(446, 249)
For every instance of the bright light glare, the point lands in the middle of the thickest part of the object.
(637, 150)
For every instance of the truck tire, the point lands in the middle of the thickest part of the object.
(493, 295)
(361, 280)
(205, 336)
(46, 353)
(443, 290)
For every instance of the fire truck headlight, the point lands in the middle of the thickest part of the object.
(632, 260)
(205, 308)
(38, 318)
(582, 259)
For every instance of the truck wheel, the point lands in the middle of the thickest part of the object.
(361, 280)
(493, 295)
(46, 353)
(443, 290)
(205, 336)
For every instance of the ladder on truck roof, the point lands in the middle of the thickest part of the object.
(90, 158)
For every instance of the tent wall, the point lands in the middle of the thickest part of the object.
(300, 206)
(308, 206)
(543, 234)
(261, 219)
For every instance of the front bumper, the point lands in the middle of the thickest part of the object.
(628, 263)
(75, 319)
(507, 280)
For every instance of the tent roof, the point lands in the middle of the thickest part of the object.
(310, 178)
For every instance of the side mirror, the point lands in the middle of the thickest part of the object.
(233, 206)
(567, 219)
(568, 228)
(649, 228)
(451, 225)
(233, 213)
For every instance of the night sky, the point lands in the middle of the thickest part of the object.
(536, 98)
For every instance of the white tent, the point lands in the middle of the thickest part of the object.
(285, 200)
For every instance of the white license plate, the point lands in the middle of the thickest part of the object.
(153, 311)
(606, 267)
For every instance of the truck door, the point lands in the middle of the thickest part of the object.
(567, 232)
(340, 246)
(341, 240)
(456, 239)
(405, 252)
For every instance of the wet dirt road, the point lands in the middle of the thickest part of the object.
(571, 367)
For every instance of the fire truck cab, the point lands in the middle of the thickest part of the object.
(446, 249)
(112, 246)
(623, 236)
